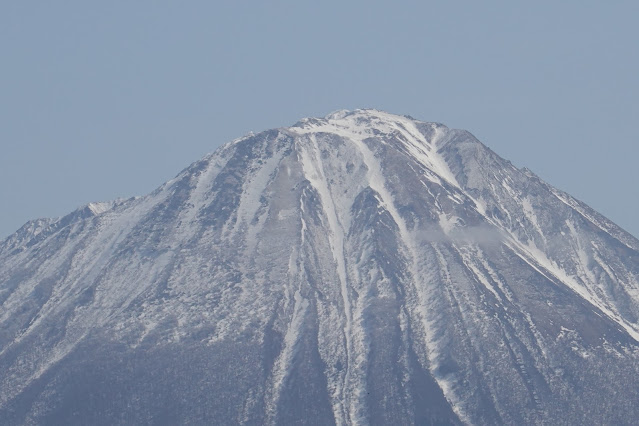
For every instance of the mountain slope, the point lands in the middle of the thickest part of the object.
(361, 268)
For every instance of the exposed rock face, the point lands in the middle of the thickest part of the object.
(361, 268)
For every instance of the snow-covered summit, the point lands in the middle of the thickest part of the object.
(359, 268)
(365, 121)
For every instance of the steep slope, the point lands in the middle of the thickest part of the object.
(361, 268)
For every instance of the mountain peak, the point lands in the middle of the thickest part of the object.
(359, 268)
(364, 119)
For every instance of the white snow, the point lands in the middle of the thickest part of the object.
(284, 362)
(470, 256)
(99, 208)
(540, 262)
(198, 286)
(532, 217)
(573, 204)
(355, 131)
(313, 170)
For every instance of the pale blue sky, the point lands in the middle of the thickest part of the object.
(100, 100)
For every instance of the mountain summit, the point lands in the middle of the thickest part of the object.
(359, 268)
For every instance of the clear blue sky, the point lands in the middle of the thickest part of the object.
(100, 100)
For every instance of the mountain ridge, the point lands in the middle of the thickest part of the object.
(356, 262)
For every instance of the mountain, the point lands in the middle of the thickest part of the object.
(362, 268)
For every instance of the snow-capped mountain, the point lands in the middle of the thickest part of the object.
(362, 268)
